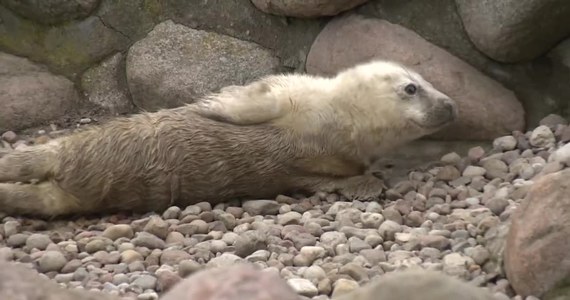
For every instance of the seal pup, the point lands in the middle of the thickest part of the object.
(281, 134)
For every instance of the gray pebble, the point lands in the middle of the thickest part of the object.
(115, 232)
(151, 241)
(542, 136)
(17, 240)
(145, 282)
(261, 207)
(371, 220)
(303, 287)
(51, 261)
(172, 212)
(332, 239)
(497, 205)
(388, 229)
(289, 218)
(38, 241)
(157, 227)
(505, 143)
(474, 171)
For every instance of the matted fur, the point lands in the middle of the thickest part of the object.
(280, 134)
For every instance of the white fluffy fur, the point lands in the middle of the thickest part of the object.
(362, 105)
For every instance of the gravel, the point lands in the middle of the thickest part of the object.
(323, 245)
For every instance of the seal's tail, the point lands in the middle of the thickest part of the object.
(43, 199)
(27, 186)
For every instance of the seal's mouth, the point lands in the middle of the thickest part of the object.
(446, 114)
(434, 125)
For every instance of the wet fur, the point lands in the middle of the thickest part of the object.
(280, 134)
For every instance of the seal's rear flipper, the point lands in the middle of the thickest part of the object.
(44, 199)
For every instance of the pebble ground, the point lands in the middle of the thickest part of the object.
(447, 218)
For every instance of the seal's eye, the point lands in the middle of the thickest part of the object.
(411, 89)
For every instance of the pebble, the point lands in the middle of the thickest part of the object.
(38, 241)
(505, 143)
(130, 256)
(303, 287)
(497, 205)
(173, 257)
(261, 207)
(343, 286)
(97, 244)
(145, 282)
(157, 226)
(474, 171)
(148, 240)
(51, 261)
(371, 220)
(289, 218)
(173, 212)
(17, 240)
(435, 241)
(388, 229)
(542, 137)
(115, 232)
(451, 158)
(10, 137)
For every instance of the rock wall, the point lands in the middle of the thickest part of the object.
(62, 56)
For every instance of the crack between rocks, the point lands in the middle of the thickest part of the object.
(114, 29)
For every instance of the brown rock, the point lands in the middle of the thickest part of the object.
(507, 30)
(352, 39)
(30, 95)
(18, 282)
(240, 281)
(106, 85)
(10, 137)
(537, 242)
(173, 257)
(417, 284)
(306, 8)
(175, 64)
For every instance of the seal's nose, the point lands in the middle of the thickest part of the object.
(451, 107)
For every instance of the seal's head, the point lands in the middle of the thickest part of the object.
(399, 94)
(384, 105)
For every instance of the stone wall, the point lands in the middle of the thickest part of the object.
(507, 63)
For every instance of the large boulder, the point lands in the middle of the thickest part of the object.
(67, 49)
(289, 38)
(30, 95)
(52, 11)
(133, 18)
(306, 8)
(174, 65)
(486, 108)
(72, 46)
(23, 283)
(537, 248)
(106, 85)
(515, 30)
